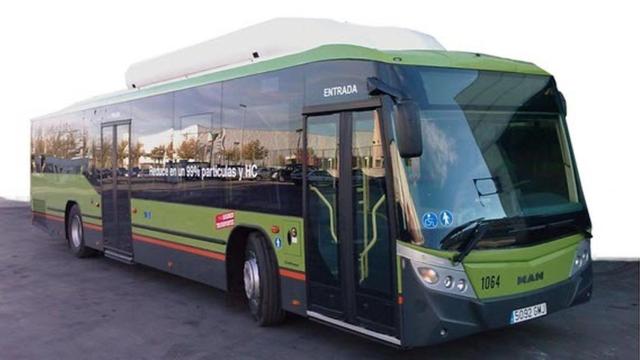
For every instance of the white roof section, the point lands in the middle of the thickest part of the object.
(271, 39)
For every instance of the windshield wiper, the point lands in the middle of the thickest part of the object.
(460, 233)
(471, 242)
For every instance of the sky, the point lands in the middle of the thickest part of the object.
(57, 53)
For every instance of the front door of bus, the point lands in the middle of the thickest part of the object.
(350, 266)
(116, 203)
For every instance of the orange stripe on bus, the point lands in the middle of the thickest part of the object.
(293, 274)
(49, 216)
(179, 247)
(60, 218)
(93, 226)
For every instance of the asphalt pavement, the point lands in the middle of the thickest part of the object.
(54, 306)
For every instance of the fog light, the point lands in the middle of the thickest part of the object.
(461, 285)
(578, 261)
(429, 275)
(448, 281)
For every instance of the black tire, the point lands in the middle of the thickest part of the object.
(75, 234)
(265, 305)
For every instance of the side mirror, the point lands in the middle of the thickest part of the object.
(408, 129)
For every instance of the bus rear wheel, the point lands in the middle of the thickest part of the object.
(75, 233)
(260, 278)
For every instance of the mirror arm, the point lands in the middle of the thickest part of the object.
(376, 86)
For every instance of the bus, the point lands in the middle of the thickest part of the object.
(362, 177)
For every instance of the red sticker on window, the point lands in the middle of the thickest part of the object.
(225, 220)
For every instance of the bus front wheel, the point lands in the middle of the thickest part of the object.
(260, 278)
(75, 232)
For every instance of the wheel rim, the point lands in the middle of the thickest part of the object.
(76, 231)
(251, 278)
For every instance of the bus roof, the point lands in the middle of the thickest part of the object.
(430, 53)
(268, 40)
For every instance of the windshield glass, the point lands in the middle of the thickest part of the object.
(494, 148)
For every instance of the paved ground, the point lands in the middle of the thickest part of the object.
(53, 306)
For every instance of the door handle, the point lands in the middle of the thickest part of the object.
(364, 264)
(330, 208)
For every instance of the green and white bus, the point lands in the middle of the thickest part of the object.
(362, 177)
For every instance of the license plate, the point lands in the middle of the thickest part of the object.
(528, 313)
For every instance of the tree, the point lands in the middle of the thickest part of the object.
(106, 155)
(188, 149)
(94, 154)
(311, 157)
(122, 152)
(38, 145)
(137, 151)
(231, 155)
(170, 151)
(157, 153)
(61, 142)
(254, 151)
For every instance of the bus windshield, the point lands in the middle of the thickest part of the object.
(495, 148)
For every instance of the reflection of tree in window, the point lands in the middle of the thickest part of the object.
(157, 154)
(253, 151)
(63, 142)
(189, 150)
(199, 138)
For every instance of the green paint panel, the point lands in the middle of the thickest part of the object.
(553, 258)
(57, 189)
(201, 221)
(449, 59)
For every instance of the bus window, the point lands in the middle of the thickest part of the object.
(260, 137)
(373, 266)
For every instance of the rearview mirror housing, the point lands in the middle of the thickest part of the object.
(408, 129)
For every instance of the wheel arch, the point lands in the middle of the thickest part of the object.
(234, 253)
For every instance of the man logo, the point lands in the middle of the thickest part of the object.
(525, 279)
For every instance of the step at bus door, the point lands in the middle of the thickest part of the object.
(350, 260)
(116, 192)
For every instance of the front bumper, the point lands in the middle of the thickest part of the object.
(431, 317)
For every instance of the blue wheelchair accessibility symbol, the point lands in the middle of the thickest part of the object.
(278, 242)
(446, 218)
(430, 220)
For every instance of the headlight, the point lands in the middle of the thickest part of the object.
(437, 274)
(582, 257)
(429, 275)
